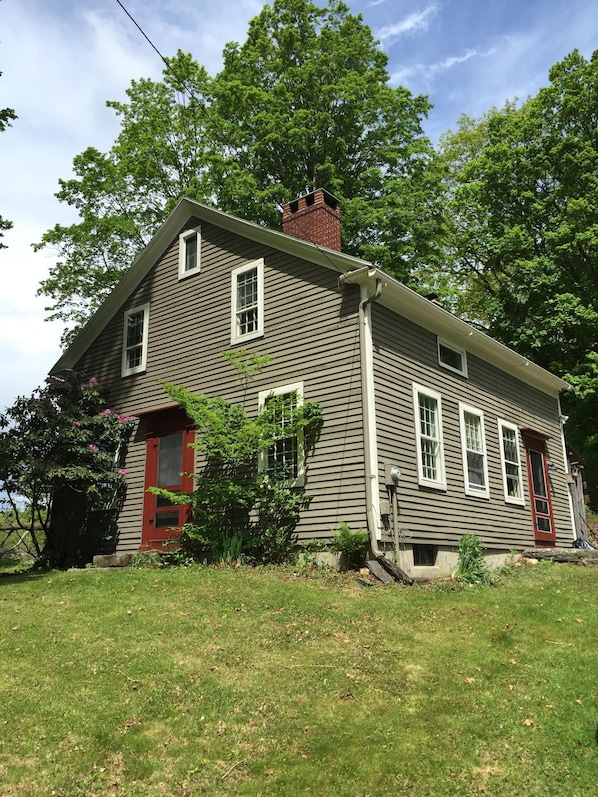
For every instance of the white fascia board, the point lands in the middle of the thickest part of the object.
(416, 308)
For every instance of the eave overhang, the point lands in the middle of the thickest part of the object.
(395, 296)
(416, 308)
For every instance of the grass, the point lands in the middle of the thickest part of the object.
(255, 682)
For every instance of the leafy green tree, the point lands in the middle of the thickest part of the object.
(60, 466)
(523, 219)
(304, 103)
(122, 196)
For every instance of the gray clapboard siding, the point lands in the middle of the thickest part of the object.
(407, 354)
(310, 334)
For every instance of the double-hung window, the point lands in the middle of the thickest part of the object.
(247, 320)
(428, 431)
(473, 443)
(135, 329)
(510, 462)
(189, 252)
(285, 458)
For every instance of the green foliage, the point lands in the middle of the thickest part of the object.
(60, 459)
(472, 568)
(351, 544)
(304, 103)
(240, 512)
(523, 222)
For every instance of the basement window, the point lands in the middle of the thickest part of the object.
(424, 555)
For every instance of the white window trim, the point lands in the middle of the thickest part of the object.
(262, 464)
(237, 272)
(509, 499)
(143, 308)
(440, 482)
(469, 488)
(183, 238)
(459, 350)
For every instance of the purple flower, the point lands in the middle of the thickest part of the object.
(91, 447)
(106, 412)
(76, 423)
(123, 418)
(93, 382)
(122, 472)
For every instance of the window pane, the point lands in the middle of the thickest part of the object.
(475, 470)
(537, 467)
(283, 456)
(510, 445)
(513, 483)
(427, 413)
(190, 253)
(164, 520)
(134, 345)
(544, 525)
(474, 446)
(429, 459)
(247, 302)
(450, 357)
(170, 458)
(135, 329)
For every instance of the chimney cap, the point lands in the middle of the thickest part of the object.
(310, 197)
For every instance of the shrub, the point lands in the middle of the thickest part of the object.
(240, 513)
(61, 452)
(472, 568)
(350, 544)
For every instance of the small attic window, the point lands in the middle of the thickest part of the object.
(189, 252)
(452, 358)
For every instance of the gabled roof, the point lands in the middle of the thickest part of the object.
(395, 295)
(177, 220)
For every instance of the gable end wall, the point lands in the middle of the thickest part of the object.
(311, 333)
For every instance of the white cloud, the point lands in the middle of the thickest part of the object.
(429, 71)
(414, 23)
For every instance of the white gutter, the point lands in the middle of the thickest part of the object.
(366, 348)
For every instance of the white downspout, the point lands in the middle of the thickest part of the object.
(372, 487)
(563, 420)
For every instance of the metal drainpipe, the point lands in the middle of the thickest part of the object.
(369, 410)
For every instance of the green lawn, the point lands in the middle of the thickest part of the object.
(263, 682)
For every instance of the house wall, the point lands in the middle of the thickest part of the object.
(405, 354)
(311, 333)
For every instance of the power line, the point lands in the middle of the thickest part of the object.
(143, 33)
(201, 104)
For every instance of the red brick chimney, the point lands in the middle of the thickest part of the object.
(315, 217)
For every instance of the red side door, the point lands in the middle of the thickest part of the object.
(539, 487)
(168, 459)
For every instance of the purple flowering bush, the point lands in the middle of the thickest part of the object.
(61, 456)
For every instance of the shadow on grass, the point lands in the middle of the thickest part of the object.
(20, 576)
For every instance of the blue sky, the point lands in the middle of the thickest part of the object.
(62, 59)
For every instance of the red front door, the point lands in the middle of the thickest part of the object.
(539, 487)
(168, 459)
